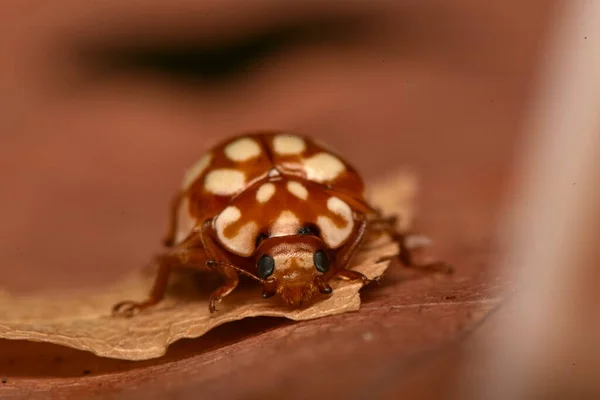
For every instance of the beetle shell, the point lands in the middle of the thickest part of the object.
(269, 184)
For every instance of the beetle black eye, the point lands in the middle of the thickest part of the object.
(321, 261)
(259, 239)
(308, 230)
(266, 266)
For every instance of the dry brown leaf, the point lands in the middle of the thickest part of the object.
(82, 320)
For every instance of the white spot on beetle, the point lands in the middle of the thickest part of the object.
(297, 189)
(243, 242)
(185, 221)
(242, 149)
(323, 167)
(339, 207)
(228, 216)
(265, 192)
(194, 172)
(273, 172)
(332, 235)
(286, 145)
(224, 181)
(286, 224)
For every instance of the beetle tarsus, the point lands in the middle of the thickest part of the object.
(212, 303)
(129, 308)
(350, 275)
(407, 250)
(440, 267)
(231, 281)
(409, 243)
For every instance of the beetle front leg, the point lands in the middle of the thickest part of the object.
(348, 250)
(220, 262)
(231, 279)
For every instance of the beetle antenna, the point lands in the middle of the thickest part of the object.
(214, 263)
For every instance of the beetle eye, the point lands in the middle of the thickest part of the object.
(308, 230)
(259, 239)
(321, 261)
(266, 266)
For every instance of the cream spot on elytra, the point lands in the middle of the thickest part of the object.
(337, 206)
(228, 216)
(332, 234)
(242, 149)
(265, 192)
(323, 167)
(297, 189)
(185, 221)
(243, 241)
(287, 223)
(286, 145)
(194, 172)
(224, 181)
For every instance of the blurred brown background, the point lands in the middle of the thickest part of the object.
(103, 104)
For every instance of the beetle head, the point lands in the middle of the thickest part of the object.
(293, 267)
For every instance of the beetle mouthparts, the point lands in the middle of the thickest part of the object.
(296, 296)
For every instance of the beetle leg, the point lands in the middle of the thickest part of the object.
(351, 275)
(178, 257)
(129, 308)
(408, 242)
(231, 281)
(383, 223)
(407, 252)
(225, 269)
(169, 238)
(345, 253)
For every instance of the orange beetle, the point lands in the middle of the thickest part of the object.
(274, 206)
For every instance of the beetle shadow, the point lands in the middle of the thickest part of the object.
(190, 285)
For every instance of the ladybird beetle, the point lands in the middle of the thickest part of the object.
(277, 207)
